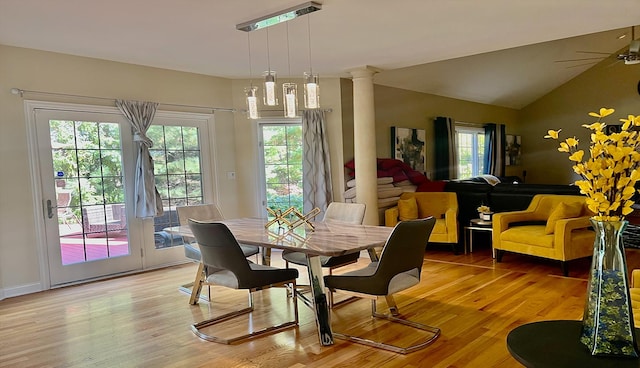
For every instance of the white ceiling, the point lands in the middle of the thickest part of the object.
(417, 44)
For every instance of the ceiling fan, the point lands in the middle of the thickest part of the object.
(630, 57)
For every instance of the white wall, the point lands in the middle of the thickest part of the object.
(45, 71)
(567, 108)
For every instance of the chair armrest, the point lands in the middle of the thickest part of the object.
(635, 278)
(566, 225)
(451, 221)
(391, 216)
(501, 220)
(451, 218)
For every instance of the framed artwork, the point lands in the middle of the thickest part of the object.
(408, 145)
(512, 150)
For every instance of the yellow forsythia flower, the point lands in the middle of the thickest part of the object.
(553, 134)
(610, 174)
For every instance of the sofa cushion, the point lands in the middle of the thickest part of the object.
(531, 235)
(562, 211)
(407, 209)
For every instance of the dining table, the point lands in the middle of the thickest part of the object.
(314, 239)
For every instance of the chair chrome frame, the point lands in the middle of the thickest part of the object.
(392, 317)
(197, 327)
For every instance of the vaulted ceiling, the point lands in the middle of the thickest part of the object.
(500, 52)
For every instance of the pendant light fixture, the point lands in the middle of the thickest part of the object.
(290, 95)
(289, 90)
(251, 92)
(311, 81)
(270, 98)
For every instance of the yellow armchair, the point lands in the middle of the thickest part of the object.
(443, 206)
(530, 232)
(634, 292)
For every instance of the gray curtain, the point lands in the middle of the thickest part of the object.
(147, 199)
(446, 160)
(316, 167)
(494, 149)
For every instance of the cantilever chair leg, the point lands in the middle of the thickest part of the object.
(197, 327)
(197, 285)
(396, 349)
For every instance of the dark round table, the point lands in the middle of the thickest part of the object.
(557, 344)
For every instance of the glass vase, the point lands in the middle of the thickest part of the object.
(607, 323)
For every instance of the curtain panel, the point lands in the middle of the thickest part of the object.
(494, 149)
(316, 167)
(140, 115)
(445, 149)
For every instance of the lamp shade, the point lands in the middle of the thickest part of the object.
(252, 102)
(290, 93)
(311, 91)
(270, 97)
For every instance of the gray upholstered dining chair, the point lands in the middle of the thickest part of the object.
(352, 213)
(399, 268)
(203, 212)
(226, 265)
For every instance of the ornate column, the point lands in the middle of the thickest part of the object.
(364, 133)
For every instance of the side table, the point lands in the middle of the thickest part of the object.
(477, 225)
(556, 344)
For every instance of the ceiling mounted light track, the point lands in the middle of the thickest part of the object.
(289, 89)
(279, 17)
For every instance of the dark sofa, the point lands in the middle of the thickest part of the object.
(502, 197)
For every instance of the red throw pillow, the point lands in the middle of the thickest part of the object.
(431, 186)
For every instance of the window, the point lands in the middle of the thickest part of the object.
(470, 151)
(282, 162)
(178, 173)
(177, 168)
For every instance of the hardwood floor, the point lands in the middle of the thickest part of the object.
(143, 320)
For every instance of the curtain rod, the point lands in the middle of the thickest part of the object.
(21, 92)
(274, 110)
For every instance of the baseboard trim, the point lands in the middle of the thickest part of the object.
(20, 290)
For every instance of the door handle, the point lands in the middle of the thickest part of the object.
(49, 209)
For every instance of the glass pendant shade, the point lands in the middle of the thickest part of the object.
(311, 91)
(290, 93)
(252, 102)
(270, 98)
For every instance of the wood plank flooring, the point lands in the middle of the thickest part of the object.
(143, 320)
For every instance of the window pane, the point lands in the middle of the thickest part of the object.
(87, 135)
(177, 168)
(274, 136)
(173, 137)
(175, 162)
(275, 154)
(190, 138)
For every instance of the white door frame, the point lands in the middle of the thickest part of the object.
(30, 107)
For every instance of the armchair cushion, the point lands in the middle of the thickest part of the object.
(407, 209)
(562, 211)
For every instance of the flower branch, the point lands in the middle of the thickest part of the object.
(610, 174)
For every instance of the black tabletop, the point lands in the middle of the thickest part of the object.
(557, 344)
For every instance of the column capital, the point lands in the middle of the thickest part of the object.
(364, 72)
